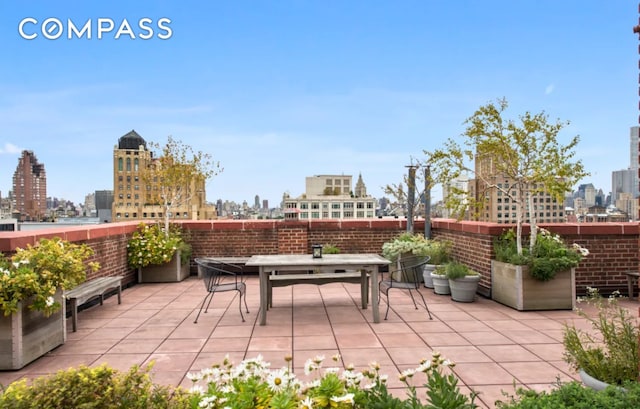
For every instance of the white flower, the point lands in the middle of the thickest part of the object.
(307, 403)
(278, 380)
(194, 377)
(348, 398)
(196, 389)
(424, 367)
(310, 366)
(50, 301)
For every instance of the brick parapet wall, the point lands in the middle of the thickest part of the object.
(614, 247)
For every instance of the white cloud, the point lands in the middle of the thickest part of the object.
(549, 89)
(10, 149)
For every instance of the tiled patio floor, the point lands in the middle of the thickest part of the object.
(492, 345)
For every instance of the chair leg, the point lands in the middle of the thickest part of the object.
(425, 304)
(209, 303)
(388, 304)
(202, 306)
(240, 304)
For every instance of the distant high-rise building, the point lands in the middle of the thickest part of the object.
(622, 181)
(461, 184)
(498, 207)
(634, 142)
(90, 205)
(256, 203)
(30, 188)
(265, 204)
(104, 204)
(133, 200)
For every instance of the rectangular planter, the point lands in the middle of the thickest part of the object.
(27, 334)
(512, 285)
(170, 272)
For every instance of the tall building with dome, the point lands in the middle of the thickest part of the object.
(132, 198)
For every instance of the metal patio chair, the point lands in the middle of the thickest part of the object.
(217, 279)
(406, 278)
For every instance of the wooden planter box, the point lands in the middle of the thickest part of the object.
(512, 285)
(170, 272)
(27, 335)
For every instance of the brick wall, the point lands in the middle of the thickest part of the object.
(614, 247)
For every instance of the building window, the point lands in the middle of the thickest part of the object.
(315, 205)
(128, 164)
(335, 215)
(120, 164)
(315, 215)
(136, 164)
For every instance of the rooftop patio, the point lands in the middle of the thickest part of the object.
(492, 345)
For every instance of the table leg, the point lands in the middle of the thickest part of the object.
(263, 295)
(74, 314)
(364, 288)
(374, 294)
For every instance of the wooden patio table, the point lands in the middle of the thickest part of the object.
(366, 263)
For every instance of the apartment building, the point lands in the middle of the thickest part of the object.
(330, 197)
(29, 188)
(500, 207)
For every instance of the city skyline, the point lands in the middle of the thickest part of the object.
(280, 91)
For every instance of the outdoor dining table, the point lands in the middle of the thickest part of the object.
(268, 264)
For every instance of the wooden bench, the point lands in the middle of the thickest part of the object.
(97, 287)
(284, 279)
(632, 282)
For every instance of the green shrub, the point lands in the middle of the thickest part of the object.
(609, 351)
(455, 270)
(574, 395)
(101, 388)
(330, 249)
(439, 251)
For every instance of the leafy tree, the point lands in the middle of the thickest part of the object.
(400, 192)
(524, 152)
(177, 175)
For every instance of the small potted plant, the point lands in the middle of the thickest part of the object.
(159, 255)
(463, 282)
(440, 280)
(439, 253)
(607, 354)
(32, 283)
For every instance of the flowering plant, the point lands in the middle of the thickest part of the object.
(405, 243)
(150, 244)
(251, 384)
(550, 254)
(37, 272)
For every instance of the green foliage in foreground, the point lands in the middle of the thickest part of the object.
(100, 388)
(574, 395)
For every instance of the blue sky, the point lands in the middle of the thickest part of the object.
(280, 90)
